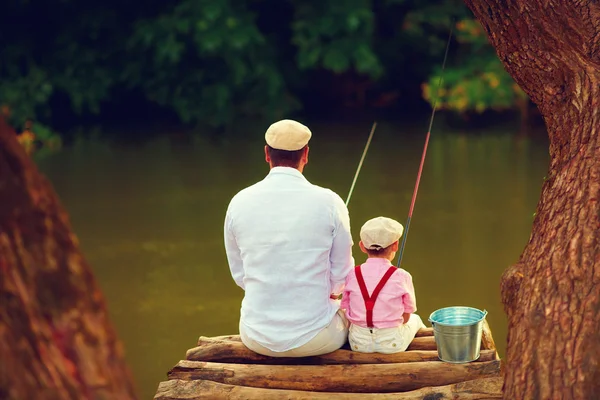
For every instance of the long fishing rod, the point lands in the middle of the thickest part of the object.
(414, 197)
(362, 158)
(361, 162)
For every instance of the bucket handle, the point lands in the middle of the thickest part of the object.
(485, 313)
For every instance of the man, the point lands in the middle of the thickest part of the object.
(289, 247)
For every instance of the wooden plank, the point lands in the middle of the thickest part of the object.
(236, 338)
(418, 343)
(236, 352)
(487, 340)
(486, 388)
(355, 378)
(424, 332)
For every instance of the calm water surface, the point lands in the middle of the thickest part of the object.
(150, 218)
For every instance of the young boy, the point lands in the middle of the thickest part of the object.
(379, 298)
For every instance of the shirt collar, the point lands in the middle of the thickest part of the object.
(378, 261)
(286, 171)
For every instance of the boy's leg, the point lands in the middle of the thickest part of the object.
(410, 329)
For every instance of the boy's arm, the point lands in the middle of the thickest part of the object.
(345, 300)
(409, 299)
(346, 295)
(234, 257)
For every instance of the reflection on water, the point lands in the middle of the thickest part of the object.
(150, 222)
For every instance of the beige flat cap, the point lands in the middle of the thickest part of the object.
(288, 135)
(380, 232)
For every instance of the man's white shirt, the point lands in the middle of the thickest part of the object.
(289, 246)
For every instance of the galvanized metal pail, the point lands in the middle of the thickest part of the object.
(457, 332)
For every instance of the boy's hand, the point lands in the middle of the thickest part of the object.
(335, 296)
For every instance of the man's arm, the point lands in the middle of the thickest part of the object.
(232, 250)
(340, 256)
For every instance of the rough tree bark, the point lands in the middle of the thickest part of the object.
(56, 341)
(552, 295)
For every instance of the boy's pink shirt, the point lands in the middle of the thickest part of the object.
(396, 297)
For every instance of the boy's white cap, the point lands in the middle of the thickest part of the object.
(288, 135)
(380, 232)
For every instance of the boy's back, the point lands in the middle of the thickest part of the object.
(396, 297)
(379, 299)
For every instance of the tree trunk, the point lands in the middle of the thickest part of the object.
(355, 378)
(56, 341)
(485, 388)
(552, 295)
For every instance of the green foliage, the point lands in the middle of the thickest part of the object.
(206, 60)
(430, 22)
(477, 88)
(335, 35)
(478, 81)
(52, 54)
(25, 94)
(215, 61)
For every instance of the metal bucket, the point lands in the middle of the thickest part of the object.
(457, 332)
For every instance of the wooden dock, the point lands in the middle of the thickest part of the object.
(223, 368)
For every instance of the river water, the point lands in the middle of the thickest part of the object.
(149, 218)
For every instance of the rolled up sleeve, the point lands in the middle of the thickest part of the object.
(232, 250)
(341, 250)
(345, 303)
(408, 299)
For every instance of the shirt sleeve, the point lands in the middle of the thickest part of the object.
(408, 299)
(346, 295)
(340, 256)
(232, 250)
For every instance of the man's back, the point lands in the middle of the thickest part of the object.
(288, 245)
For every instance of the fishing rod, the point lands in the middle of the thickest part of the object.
(362, 158)
(361, 162)
(414, 196)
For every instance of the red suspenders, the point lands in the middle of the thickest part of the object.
(370, 300)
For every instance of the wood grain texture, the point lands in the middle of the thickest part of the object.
(485, 388)
(552, 295)
(238, 353)
(56, 340)
(354, 378)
